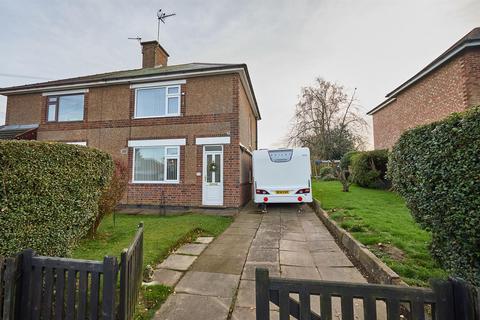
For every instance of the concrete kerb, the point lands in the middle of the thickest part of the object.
(374, 266)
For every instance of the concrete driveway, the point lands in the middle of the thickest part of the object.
(221, 282)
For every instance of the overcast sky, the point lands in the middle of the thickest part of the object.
(373, 45)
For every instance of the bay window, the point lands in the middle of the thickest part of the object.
(156, 164)
(161, 101)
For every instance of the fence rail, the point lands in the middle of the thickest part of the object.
(37, 287)
(452, 299)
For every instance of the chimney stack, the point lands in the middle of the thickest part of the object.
(153, 55)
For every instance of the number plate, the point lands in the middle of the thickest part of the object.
(282, 192)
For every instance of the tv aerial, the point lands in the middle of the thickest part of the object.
(161, 18)
(139, 39)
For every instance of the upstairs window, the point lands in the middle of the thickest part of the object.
(65, 108)
(157, 101)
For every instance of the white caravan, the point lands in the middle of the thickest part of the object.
(282, 176)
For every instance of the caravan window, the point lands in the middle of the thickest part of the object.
(280, 155)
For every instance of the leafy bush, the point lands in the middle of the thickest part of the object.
(49, 194)
(436, 168)
(112, 195)
(346, 159)
(368, 169)
(324, 171)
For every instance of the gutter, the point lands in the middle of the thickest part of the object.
(381, 106)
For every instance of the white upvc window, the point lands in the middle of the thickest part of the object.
(78, 143)
(156, 164)
(158, 101)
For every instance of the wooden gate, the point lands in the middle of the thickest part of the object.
(38, 287)
(60, 288)
(445, 300)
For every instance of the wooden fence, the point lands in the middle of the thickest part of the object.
(37, 287)
(452, 299)
(131, 273)
(9, 282)
(60, 288)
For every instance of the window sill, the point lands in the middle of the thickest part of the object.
(154, 182)
(158, 117)
(64, 122)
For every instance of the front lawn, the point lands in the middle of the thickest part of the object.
(161, 234)
(380, 220)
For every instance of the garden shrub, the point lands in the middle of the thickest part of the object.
(112, 195)
(346, 159)
(327, 173)
(436, 168)
(49, 194)
(368, 169)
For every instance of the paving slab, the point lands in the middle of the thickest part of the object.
(242, 313)
(331, 259)
(249, 269)
(246, 295)
(349, 274)
(295, 272)
(262, 243)
(323, 245)
(206, 240)
(289, 245)
(208, 284)
(193, 307)
(177, 262)
(219, 264)
(295, 236)
(193, 249)
(167, 277)
(295, 258)
(262, 255)
(240, 231)
(240, 248)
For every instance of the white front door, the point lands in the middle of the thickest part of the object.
(212, 176)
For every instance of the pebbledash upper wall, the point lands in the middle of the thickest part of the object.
(452, 87)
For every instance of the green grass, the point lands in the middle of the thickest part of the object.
(161, 235)
(151, 297)
(380, 217)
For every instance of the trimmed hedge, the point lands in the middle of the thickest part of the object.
(436, 168)
(369, 168)
(49, 194)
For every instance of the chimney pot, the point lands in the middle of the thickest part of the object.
(153, 55)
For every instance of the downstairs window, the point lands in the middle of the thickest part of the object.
(159, 164)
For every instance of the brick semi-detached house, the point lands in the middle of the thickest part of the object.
(186, 132)
(451, 83)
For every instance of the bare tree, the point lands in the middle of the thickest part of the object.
(327, 121)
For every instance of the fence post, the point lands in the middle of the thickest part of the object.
(110, 269)
(10, 301)
(262, 294)
(465, 300)
(26, 301)
(122, 312)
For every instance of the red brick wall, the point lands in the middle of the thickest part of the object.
(430, 99)
(472, 70)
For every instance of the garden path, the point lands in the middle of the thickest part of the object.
(220, 283)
